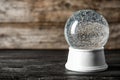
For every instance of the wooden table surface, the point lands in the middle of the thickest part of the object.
(49, 65)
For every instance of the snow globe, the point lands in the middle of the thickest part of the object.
(86, 32)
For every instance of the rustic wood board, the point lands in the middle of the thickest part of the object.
(44, 36)
(50, 10)
(49, 65)
(39, 24)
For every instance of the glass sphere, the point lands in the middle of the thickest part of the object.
(86, 29)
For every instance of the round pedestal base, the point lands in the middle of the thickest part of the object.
(86, 60)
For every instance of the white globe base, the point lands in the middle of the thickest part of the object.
(86, 60)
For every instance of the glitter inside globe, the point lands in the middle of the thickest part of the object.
(86, 29)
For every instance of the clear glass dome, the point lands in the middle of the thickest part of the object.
(86, 29)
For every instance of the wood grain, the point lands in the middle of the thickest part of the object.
(50, 10)
(39, 24)
(43, 36)
(23, 36)
(50, 65)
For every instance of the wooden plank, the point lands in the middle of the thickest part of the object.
(44, 36)
(50, 65)
(64, 4)
(34, 38)
(112, 15)
(14, 11)
(63, 15)
(39, 24)
(114, 37)
(54, 10)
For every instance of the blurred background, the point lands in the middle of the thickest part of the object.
(39, 24)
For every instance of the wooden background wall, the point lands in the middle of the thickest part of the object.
(39, 24)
